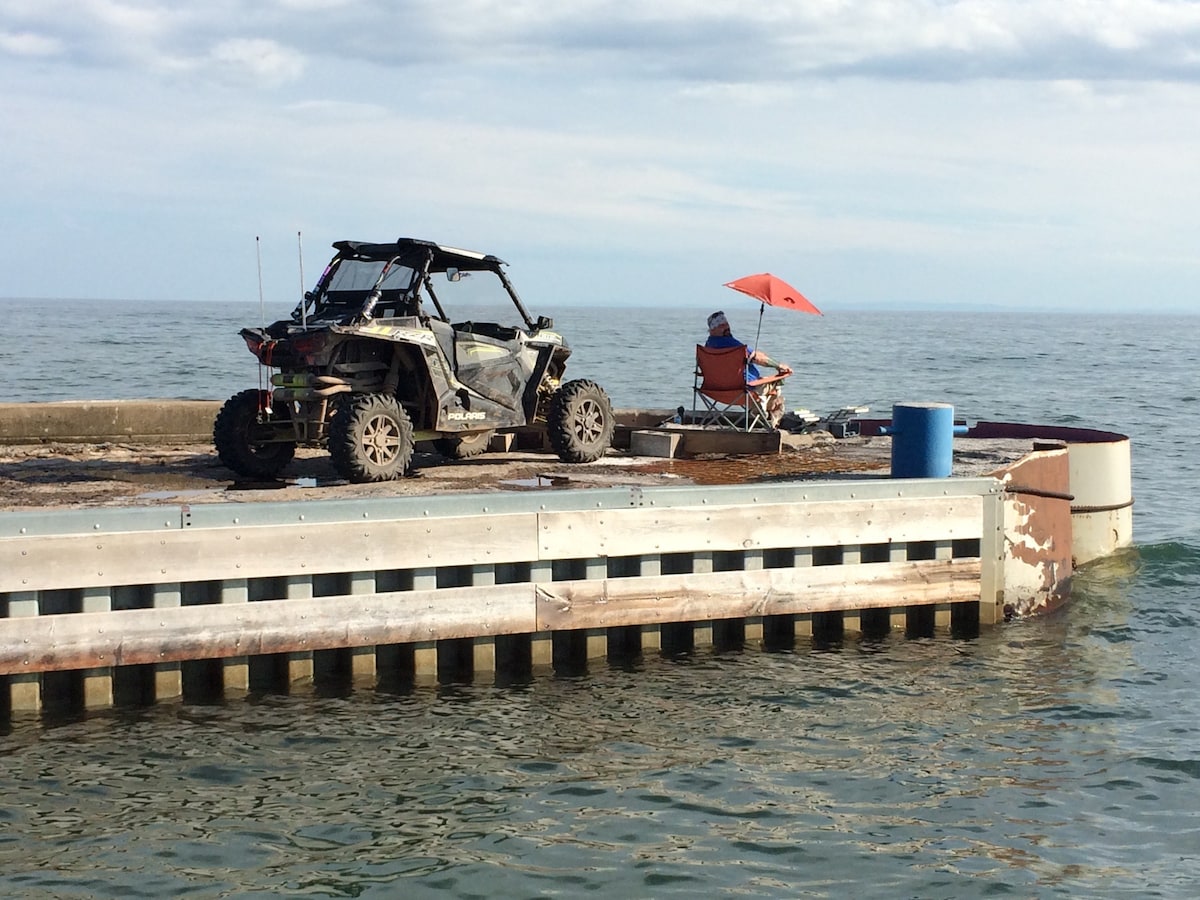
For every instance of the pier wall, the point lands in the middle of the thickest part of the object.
(155, 603)
(86, 421)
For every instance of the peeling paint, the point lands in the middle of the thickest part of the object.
(1037, 531)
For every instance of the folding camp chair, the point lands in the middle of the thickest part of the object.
(727, 398)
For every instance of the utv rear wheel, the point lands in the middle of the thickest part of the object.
(245, 436)
(580, 422)
(464, 446)
(370, 439)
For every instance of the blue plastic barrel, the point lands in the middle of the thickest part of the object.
(922, 440)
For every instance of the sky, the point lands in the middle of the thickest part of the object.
(891, 154)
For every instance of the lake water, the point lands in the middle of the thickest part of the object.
(1051, 757)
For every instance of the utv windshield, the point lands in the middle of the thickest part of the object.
(361, 275)
(352, 282)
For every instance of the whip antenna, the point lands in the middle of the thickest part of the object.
(303, 301)
(265, 400)
(262, 312)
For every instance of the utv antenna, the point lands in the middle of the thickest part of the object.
(265, 402)
(303, 301)
(262, 312)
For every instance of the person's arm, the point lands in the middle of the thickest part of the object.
(760, 358)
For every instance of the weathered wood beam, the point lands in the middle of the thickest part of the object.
(222, 630)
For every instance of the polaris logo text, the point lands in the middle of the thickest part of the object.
(466, 416)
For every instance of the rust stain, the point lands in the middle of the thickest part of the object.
(749, 469)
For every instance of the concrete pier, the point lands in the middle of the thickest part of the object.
(154, 604)
(426, 581)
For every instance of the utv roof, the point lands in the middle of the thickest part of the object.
(412, 253)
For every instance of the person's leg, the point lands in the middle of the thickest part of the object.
(773, 394)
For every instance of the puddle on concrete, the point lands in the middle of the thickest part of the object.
(276, 484)
(540, 481)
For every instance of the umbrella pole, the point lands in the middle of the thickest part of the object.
(758, 334)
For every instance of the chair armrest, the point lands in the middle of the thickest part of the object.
(758, 382)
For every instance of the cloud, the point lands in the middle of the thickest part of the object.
(679, 40)
(28, 44)
(263, 60)
(889, 143)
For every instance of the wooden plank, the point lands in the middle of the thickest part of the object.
(25, 687)
(168, 676)
(628, 532)
(211, 631)
(207, 554)
(97, 683)
(723, 595)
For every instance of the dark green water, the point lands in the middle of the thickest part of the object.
(1050, 757)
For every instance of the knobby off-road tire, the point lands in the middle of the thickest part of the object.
(580, 422)
(242, 435)
(370, 438)
(464, 446)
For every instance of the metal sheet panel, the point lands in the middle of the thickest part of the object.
(594, 533)
(210, 554)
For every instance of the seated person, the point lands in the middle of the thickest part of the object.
(721, 337)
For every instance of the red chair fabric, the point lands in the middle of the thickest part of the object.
(721, 387)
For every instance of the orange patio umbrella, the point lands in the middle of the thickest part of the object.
(773, 291)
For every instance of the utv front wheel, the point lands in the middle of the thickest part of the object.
(248, 439)
(371, 439)
(580, 422)
(464, 446)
